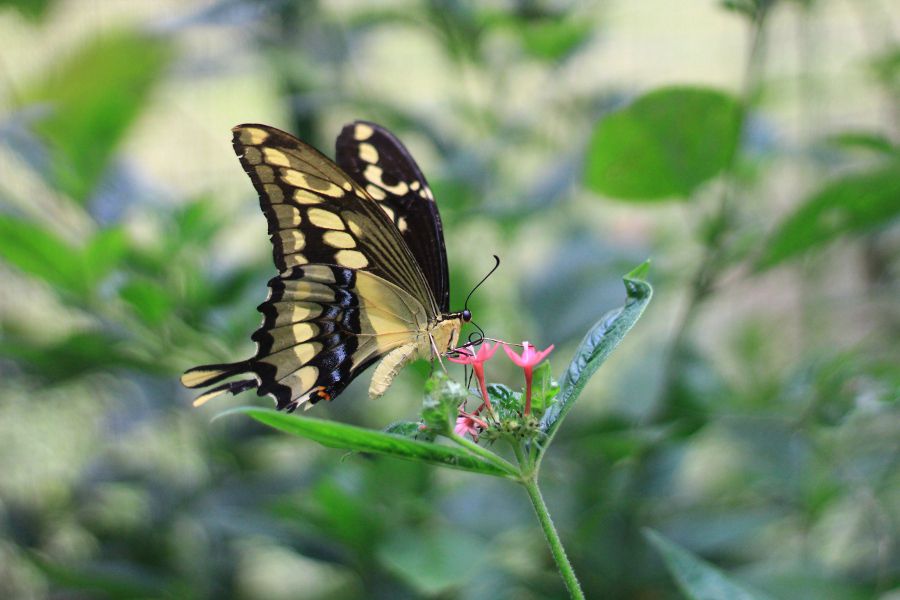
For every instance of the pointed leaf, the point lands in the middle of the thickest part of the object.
(853, 204)
(596, 347)
(664, 144)
(698, 579)
(92, 97)
(341, 435)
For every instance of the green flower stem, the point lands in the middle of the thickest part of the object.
(556, 547)
(485, 454)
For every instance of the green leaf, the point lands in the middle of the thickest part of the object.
(865, 140)
(34, 10)
(75, 355)
(853, 204)
(665, 144)
(553, 39)
(698, 579)
(93, 97)
(597, 345)
(506, 403)
(341, 435)
(108, 582)
(151, 302)
(407, 429)
(104, 252)
(434, 561)
(40, 253)
(544, 388)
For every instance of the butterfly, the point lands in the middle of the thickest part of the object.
(362, 266)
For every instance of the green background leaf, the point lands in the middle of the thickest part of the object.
(664, 144)
(853, 204)
(434, 562)
(698, 579)
(91, 100)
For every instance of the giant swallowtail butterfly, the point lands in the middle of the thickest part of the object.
(362, 268)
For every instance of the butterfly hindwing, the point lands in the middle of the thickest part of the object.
(380, 164)
(322, 326)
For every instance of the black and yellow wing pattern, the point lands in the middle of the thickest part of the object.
(349, 291)
(379, 162)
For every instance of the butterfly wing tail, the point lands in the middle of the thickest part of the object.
(206, 375)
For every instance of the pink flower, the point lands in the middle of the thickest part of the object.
(469, 424)
(527, 360)
(476, 361)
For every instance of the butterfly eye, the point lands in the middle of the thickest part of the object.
(466, 315)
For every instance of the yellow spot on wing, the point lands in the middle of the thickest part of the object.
(373, 174)
(302, 196)
(308, 291)
(276, 157)
(274, 193)
(295, 312)
(355, 228)
(362, 132)
(339, 239)
(323, 218)
(287, 216)
(294, 260)
(401, 224)
(388, 211)
(304, 331)
(351, 259)
(306, 352)
(319, 274)
(301, 380)
(252, 135)
(376, 192)
(292, 241)
(311, 182)
(368, 153)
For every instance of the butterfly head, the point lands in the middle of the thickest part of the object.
(466, 315)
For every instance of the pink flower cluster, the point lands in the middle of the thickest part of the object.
(529, 358)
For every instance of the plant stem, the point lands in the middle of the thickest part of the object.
(707, 273)
(556, 547)
(485, 454)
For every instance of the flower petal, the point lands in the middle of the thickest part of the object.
(513, 356)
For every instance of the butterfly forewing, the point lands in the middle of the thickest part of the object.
(381, 165)
(349, 289)
(318, 214)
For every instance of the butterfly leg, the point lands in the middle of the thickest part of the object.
(435, 351)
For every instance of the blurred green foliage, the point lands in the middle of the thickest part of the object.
(751, 419)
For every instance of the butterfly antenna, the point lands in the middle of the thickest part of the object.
(491, 272)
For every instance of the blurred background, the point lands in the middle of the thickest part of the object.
(749, 148)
